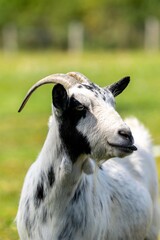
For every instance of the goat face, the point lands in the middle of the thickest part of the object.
(89, 123)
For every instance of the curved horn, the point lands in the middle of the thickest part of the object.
(79, 77)
(64, 79)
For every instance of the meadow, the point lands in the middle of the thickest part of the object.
(22, 134)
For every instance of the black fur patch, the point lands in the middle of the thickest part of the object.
(39, 195)
(51, 177)
(74, 142)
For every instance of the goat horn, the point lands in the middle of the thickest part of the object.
(79, 77)
(64, 79)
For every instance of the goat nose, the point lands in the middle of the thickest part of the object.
(126, 134)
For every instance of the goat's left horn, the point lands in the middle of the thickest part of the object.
(64, 79)
(79, 77)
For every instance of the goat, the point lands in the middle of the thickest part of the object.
(71, 192)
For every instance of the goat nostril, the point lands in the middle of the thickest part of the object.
(126, 134)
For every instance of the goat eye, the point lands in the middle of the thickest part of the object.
(79, 107)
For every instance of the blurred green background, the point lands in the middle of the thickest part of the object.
(106, 40)
(79, 24)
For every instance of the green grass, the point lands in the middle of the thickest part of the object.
(22, 135)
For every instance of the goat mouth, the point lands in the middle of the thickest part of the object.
(124, 148)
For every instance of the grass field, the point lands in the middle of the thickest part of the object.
(22, 135)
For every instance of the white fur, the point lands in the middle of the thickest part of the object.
(143, 167)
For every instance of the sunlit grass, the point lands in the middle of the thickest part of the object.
(22, 135)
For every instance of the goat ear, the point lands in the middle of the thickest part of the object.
(118, 87)
(60, 98)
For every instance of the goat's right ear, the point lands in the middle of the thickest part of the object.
(60, 97)
(118, 87)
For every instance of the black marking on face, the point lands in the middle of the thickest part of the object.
(96, 87)
(51, 176)
(89, 87)
(98, 92)
(80, 86)
(74, 142)
(104, 98)
(39, 195)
